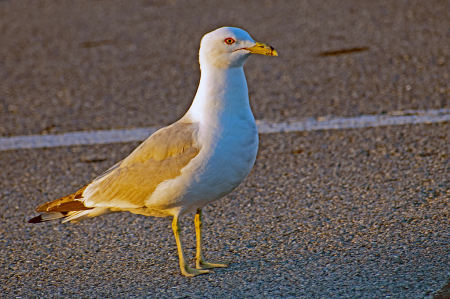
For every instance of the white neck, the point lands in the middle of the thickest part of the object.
(221, 91)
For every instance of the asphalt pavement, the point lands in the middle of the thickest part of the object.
(355, 213)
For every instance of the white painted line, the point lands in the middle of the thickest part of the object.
(294, 125)
(75, 138)
(363, 121)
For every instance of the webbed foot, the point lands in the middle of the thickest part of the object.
(191, 272)
(209, 265)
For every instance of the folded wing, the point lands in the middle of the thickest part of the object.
(127, 185)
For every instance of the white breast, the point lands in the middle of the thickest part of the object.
(231, 158)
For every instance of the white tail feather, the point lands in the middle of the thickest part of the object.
(47, 216)
(77, 216)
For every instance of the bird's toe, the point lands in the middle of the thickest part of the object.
(210, 265)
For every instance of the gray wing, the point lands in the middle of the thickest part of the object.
(130, 182)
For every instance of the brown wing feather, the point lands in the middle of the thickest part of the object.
(65, 204)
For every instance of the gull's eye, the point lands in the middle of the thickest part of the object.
(229, 41)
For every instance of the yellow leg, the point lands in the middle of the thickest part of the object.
(185, 269)
(201, 263)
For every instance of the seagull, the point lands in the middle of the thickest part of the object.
(185, 166)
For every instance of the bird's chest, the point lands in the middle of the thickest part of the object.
(232, 153)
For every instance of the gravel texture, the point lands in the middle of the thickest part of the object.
(89, 65)
(326, 214)
(358, 213)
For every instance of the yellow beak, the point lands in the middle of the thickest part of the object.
(264, 49)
